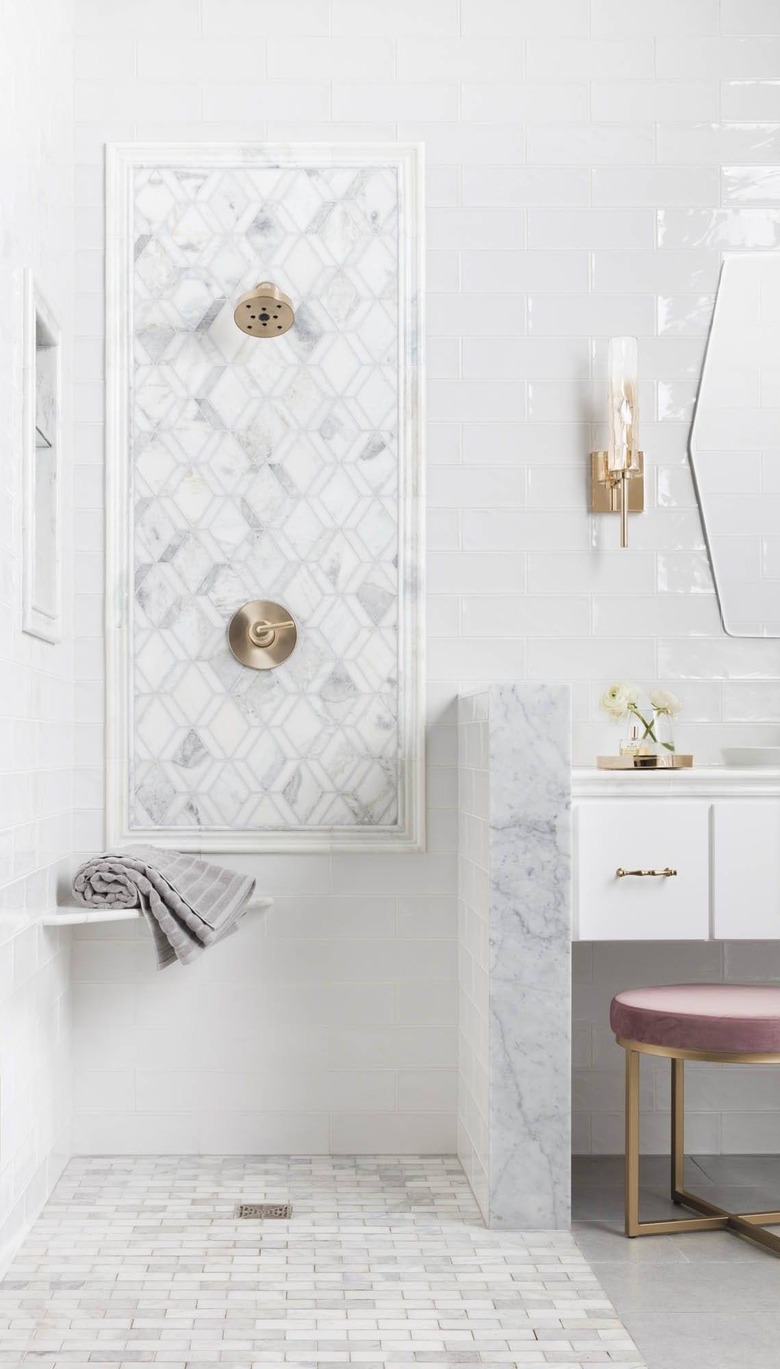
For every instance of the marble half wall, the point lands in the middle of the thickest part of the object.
(514, 1104)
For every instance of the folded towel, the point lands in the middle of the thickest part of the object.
(188, 903)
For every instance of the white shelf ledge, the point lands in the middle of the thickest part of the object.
(71, 917)
(77, 917)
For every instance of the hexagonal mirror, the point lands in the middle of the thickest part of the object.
(735, 444)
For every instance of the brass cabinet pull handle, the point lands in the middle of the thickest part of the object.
(668, 873)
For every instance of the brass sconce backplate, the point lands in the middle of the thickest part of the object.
(262, 634)
(605, 496)
(620, 492)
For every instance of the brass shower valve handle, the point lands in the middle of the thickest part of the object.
(262, 634)
(668, 873)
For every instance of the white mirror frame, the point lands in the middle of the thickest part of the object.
(39, 619)
(734, 444)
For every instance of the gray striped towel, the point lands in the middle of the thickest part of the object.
(188, 903)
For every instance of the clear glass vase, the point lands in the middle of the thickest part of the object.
(663, 727)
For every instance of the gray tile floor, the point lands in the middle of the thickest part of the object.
(702, 1300)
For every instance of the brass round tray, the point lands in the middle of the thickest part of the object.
(672, 761)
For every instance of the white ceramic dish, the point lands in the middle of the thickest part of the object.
(752, 755)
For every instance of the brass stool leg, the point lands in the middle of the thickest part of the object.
(711, 1216)
(714, 1216)
(678, 1129)
(632, 1143)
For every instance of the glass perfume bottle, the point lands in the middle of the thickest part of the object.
(632, 743)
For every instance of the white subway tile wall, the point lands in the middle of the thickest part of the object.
(36, 677)
(588, 160)
(325, 1024)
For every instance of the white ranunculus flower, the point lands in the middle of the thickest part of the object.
(617, 699)
(665, 702)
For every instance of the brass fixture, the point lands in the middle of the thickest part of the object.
(617, 474)
(668, 873)
(264, 311)
(711, 1216)
(666, 760)
(620, 492)
(262, 634)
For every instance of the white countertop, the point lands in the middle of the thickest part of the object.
(701, 781)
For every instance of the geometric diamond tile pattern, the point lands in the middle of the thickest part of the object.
(265, 470)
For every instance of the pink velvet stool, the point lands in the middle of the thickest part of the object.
(733, 1024)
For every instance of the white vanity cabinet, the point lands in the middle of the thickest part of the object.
(746, 870)
(642, 836)
(716, 835)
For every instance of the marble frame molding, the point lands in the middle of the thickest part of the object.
(408, 835)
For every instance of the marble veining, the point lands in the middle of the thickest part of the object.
(274, 469)
(525, 991)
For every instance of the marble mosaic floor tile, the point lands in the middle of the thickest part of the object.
(385, 1264)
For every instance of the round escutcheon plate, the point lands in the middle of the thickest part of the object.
(262, 634)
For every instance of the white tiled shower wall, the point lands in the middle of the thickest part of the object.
(36, 678)
(588, 161)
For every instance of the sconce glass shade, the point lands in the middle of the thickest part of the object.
(623, 366)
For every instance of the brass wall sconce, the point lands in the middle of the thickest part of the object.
(617, 475)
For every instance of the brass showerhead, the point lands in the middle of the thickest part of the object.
(264, 311)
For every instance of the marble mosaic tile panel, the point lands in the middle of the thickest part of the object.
(283, 470)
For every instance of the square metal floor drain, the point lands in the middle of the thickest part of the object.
(261, 1212)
